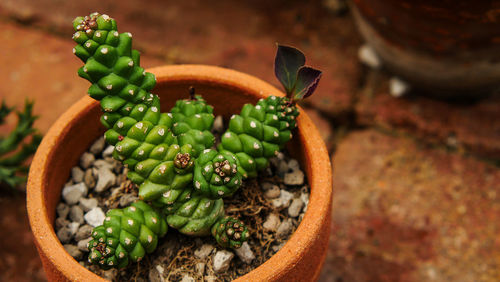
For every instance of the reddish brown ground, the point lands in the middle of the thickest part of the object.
(416, 186)
(19, 259)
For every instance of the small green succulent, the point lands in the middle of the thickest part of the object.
(13, 150)
(182, 177)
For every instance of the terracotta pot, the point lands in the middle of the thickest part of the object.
(227, 90)
(448, 47)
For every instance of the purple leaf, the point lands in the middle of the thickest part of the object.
(307, 81)
(286, 64)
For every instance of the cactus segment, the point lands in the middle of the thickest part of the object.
(193, 119)
(113, 69)
(195, 215)
(217, 174)
(126, 235)
(259, 132)
(230, 232)
(161, 177)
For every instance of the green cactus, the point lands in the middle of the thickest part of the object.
(12, 156)
(182, 178)
(230, 232)
(126, 235)
(259, 132)
(217, 174)
(193, 120)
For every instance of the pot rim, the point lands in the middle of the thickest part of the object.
(318, 172)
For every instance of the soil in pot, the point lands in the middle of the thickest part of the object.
(271, 205)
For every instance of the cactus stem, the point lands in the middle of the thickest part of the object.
(191, 93)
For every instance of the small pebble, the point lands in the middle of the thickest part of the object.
(105, 179)
(338, 7)
(89, 179)
(88, 204)
(62, 210)
(83, 244)
(301, 216)
(279, 246)
(272, 193)
(284, 199)
(293, 164)
(108, 152)
(245, 253)
(200, 268)
(187, 278)
(98, 146)
(110, 160)
(221, 260)
(127, 199)
(282, 168)
(94, 217)
(285, 228)
(156, 274)
(61, 222)
(77, 174)
(369, 57)
(103, 164)
(295, 207)
(398, 87)
(210, 278)
(83, 232)
(73, 227)
(117, 167)
(267, 185)
(73, 251)
(218, 124)
(452, 141)
(272, 222)
(305, 198)
(204, 251)
(294, 178)
(110, 274)
(72, 194)
(76, 214)
(274, 162)
(64, 234)
(86, 160)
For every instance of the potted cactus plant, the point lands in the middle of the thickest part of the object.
(182, 177)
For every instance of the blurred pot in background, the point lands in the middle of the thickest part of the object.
(450, 48)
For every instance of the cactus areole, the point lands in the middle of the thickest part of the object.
(182, 177)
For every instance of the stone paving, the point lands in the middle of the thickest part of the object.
(416, 180)
(405, 211)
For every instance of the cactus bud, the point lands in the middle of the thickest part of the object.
(230, 232)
